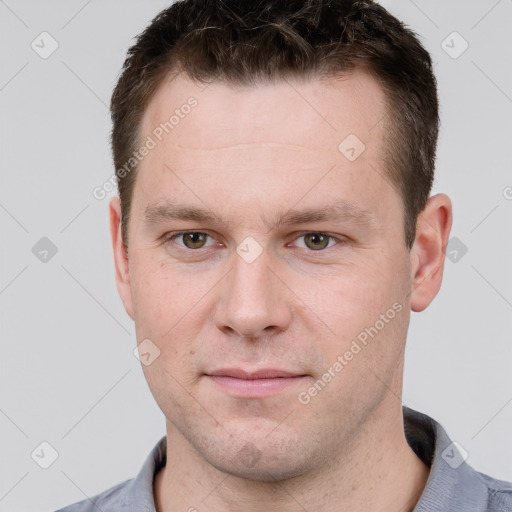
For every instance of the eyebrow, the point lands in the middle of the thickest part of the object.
(340, 211)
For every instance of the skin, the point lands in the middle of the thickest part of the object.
(249, 155)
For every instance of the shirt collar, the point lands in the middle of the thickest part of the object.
(138, 493)
(452, 483)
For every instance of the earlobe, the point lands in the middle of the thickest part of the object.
(121, 262)
(428, 252)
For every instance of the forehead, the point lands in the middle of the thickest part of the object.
(266, 140)
(316, 113)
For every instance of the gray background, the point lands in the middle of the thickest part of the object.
(67, 372)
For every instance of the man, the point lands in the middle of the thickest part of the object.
(273, 232)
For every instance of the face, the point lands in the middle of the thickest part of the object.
(264, 237)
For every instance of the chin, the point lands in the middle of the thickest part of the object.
(262, 459)
(264, 471)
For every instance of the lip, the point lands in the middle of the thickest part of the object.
(259, 383)
(264, 373)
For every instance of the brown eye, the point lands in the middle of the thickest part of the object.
(316, 241)
(193, 240)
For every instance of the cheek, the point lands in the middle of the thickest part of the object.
(160, 295)
(352, 300)
(379, 307)
(164, 301)
(351, 295)
(171, 308)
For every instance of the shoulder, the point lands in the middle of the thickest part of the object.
(107, 501)
(453, 484)
(133, 494)
(499, 493)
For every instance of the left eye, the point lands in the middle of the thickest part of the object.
(317, 241)
(191, 239)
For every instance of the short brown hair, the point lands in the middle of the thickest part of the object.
(249, 42)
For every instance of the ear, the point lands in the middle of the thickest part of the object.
(428, 252)
(120, 256)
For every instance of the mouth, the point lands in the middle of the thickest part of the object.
(260, 383)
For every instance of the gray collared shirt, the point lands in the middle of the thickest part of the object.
(453, 485)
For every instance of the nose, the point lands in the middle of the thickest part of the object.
(253, 301)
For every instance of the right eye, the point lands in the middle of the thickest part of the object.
(191, 239)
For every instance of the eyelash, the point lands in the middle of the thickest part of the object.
(168, 237)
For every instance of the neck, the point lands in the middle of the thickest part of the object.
(379, 472)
